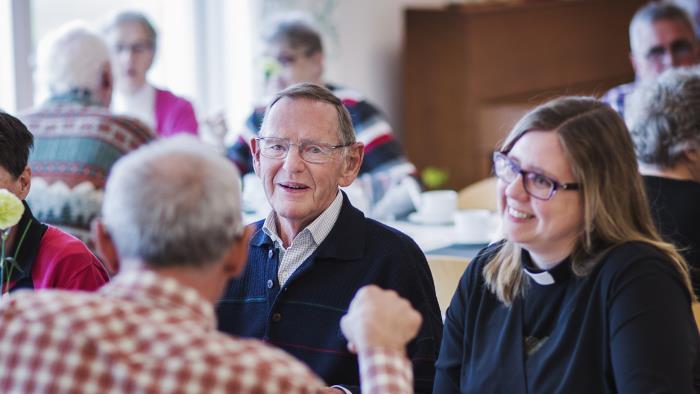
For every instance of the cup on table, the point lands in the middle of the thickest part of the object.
(437, 206)
(475, 225)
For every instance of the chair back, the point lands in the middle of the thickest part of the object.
(446, 271)
(479, 195)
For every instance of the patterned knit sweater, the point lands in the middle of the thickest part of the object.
(76, 142)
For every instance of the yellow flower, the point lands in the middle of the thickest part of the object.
(11, 209)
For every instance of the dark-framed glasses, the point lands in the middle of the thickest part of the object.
(310, 151)
(537, 185)
(680, 49)
(136, 48)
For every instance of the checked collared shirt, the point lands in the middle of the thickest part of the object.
(147, 333)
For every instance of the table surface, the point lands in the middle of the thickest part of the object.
(432, 239)
(438, 239)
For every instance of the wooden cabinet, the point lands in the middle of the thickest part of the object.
(471, 71)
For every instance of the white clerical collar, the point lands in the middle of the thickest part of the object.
(558, 273)
(542, 278)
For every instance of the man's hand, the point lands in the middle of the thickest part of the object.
(379, 318)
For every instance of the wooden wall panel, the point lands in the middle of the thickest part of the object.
(470, 71)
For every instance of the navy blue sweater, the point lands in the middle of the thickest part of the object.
(303, 317)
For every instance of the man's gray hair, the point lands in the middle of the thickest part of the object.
(664, 117)
(313, 92)
(134, 17)
(173, 202)
(296, 30)
(73, 57)
(654, 12)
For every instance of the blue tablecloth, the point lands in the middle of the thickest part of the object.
(458, 250)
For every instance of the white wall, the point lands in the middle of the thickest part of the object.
(369, 52)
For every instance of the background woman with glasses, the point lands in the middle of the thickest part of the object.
(582, 295)
(133, 41)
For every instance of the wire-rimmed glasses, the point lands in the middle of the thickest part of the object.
(310, 151)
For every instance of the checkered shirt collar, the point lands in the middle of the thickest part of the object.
(319, 228)
(146, 286)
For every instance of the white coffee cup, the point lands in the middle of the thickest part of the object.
(475, 225)
(438, 205)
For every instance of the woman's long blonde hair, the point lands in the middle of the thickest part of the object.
(598, 146)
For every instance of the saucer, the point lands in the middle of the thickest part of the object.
(417, 218)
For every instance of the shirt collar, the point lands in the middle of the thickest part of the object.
(319, 228)
(77, 96)
(146, 286)
(557, 274)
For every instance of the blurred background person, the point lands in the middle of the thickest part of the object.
(294, 54)
(76, 138)
(662, 36)
(133, 42)
(664, 120)
(582, 295)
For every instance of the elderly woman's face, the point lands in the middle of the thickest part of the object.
(548, 229)
(132, 54)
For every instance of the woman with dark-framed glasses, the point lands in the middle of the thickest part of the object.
(581, 296)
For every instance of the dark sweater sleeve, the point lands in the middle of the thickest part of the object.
(449, 363)
(417, 286)
(239, 153)
(653, 336)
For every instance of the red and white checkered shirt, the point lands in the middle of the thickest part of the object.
(145, 333)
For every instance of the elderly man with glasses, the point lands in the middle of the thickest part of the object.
(662, 36)
(315, 250)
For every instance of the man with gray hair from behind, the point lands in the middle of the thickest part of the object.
(172, 223)
(664, 120)
(76, 138)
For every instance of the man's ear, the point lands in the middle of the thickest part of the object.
(255, 152)
(105, 246)
(24, 183)
(106, 85)
(237, 256)
(318, 60)
(352, 163)
(633, 62)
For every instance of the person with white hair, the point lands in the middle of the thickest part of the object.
(77, 139)
(133, 39)
(172, 218)
(662, 36)
(664, 120)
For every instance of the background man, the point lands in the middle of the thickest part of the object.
(46, 256)
(172, 218)
(295, 55)
(77, 139)
(662, 36)
(314, 250)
